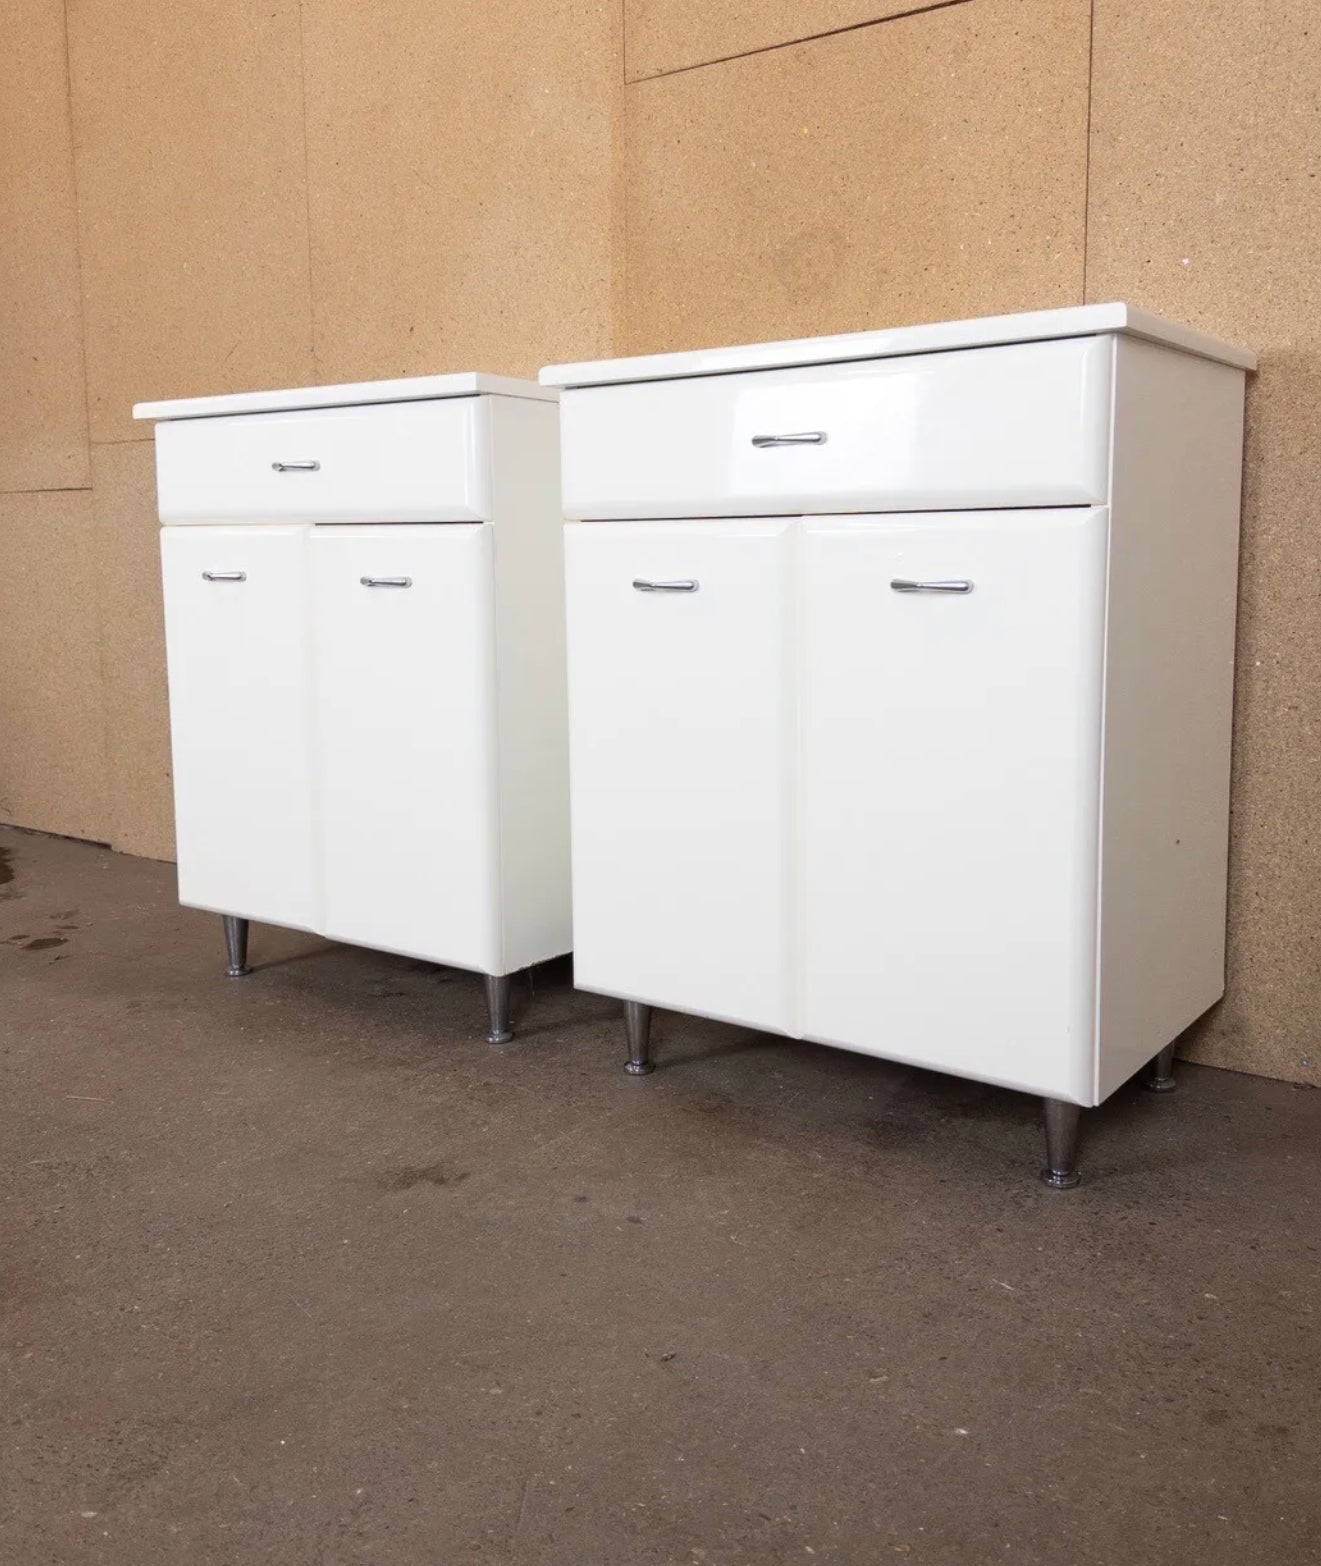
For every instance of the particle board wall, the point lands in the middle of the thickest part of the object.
(460, 167)
(188, 142)
(1206, 204)
(140, 802)
(52, 739)
(674, 35)
(925, 167)
(43, 412)
(461, 213)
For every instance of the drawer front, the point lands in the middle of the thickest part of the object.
(405, 740)
(396, 462)
(1024, 425)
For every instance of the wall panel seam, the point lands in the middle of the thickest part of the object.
(788, 43)
(307, 188)
(1087, 150)
(621, 312)
(51, 489)
(77, 244)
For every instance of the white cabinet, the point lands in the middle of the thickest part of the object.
(930, 760)
(367, 711)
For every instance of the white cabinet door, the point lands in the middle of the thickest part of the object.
(681, 747)
(405, 739)
(950, 780)
(236, 629)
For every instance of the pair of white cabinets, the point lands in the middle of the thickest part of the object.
(900, 678)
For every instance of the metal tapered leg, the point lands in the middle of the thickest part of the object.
(499, 991)
(637, 1019)
(1061, 1171)
(1159, 1074)
(236, 946)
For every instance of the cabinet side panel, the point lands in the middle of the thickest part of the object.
(532, 725)
(1173, 576)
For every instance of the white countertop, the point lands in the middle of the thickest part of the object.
(412, 388)
(1032, 326)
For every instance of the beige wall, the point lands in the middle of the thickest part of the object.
(1206, 204)
(218, 196)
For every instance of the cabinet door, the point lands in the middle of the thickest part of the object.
(236, 628)
(950, 781)
(680, 748)
(404, 655)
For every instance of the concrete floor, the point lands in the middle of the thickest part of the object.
(297, 1269)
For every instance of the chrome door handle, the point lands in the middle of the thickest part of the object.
(953, 585)
(295, 467)
(805, 438)
(386, 581)
(224, 576)
(642, 585)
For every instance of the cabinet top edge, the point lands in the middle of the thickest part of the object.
(410, 388)
(988, 331)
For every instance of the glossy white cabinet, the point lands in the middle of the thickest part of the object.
(364, 635)
(930, 759)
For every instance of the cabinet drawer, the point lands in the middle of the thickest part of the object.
(1022, 425)
(398, 462)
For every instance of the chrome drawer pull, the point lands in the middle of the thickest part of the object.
(644, 586)
(806, 438)
(386, 581)
(296, 467)
(224, 576)
(900, 585)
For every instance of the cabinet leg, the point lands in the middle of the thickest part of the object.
(236, 946)
(637, 1020)
(1061, 1171)
(499, 990)
(1158, 1077)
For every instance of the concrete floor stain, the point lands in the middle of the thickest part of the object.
(430, 1174)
